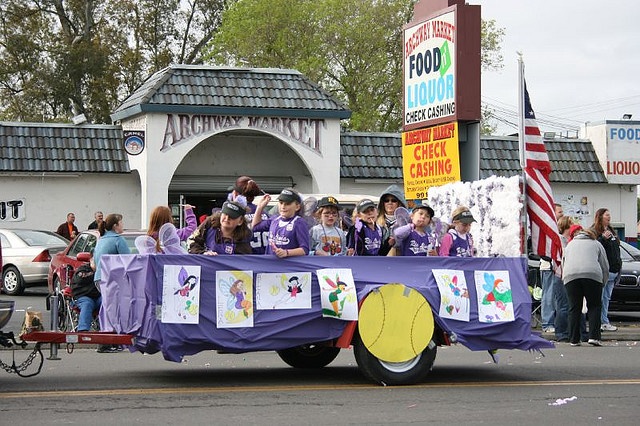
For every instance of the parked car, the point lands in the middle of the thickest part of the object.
(626, 292)
(26, 254)
(84, 242)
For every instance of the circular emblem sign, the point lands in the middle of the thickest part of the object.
(134, 145)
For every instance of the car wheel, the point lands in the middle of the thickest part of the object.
(12, 281)
(408, 372)
(309, 356)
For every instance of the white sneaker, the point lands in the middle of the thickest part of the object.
(595, 342)
(550, 330)
(608, 327)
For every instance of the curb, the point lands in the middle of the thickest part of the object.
(624, 333)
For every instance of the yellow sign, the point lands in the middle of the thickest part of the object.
(430, 157)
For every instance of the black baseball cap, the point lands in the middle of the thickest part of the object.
(329, 202)
(425, 207)
(465, 217)
(233, 210)
(363, 205)
(288, 195)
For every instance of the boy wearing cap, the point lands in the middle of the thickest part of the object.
(224, 232)
(458, 241)
(327, 239)
(288, 232)
(364, 238)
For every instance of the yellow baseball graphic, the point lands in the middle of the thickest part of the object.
(395, 323)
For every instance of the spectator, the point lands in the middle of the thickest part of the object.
(390, 200)
(224, 232)
(458, 241)
(68, 229)
(86, 294)
(584, 271)
(548, 277)
(611, 243)
(98, 220)
(162, 214)
(110, 242)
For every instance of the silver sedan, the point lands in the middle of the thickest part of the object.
(26, 254)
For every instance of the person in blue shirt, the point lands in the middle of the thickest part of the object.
(110, 242)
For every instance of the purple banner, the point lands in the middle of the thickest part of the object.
(132, 288)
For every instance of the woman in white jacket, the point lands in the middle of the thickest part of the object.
(584, 271)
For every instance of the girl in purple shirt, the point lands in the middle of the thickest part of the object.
(288, 232)
(413, 239)
(364, 238)
(458, 241)
(162, 214)
(225, 232)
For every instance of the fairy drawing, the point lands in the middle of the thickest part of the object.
(336, 301)
(236, 295)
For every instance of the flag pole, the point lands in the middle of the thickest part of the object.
(523, 214)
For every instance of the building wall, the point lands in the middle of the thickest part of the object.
(48, 198)
(364, 187)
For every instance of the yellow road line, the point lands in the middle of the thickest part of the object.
(247, 389)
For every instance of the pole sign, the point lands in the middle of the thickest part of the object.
(430, 157)
(623, 153)
(429, 74)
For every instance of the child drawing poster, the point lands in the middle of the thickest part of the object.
(181, 294)
(290, 290)
(494, 296)
(338, 294)
(234, 299)
(454, 295)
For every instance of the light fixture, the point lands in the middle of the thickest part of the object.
(627, 116)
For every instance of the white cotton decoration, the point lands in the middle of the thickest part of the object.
(495, 204)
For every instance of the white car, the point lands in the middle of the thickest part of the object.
(26, 254)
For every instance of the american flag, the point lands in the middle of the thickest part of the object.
(545, 239)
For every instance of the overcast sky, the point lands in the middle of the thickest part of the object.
(582, 59)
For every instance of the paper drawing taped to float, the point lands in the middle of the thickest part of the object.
(454, 295)
(495, 303)
(338, 294)
(234, 299)
(291, 290)
(181, 294)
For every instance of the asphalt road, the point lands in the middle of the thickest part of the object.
(569, 385)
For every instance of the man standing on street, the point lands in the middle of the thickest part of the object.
(98, 220)
(68, 229)
(547, 278)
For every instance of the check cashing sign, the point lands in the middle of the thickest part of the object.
(429, 71)
(430, 157)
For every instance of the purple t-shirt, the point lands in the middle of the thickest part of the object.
(416, 244)
(227, 246)
(458, 245)
(364, 240)
(286, 234)
(260, 239)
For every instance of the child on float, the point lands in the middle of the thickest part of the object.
(364, 238)
(413, 239)
(288, 232)
(244, 191)
(162, 214)
(458, 241)
(327, 239)
(224, 232)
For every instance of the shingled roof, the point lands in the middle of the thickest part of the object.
(198, 89)
(379, 156)
(47, 147)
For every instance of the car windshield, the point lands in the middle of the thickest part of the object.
(631, 250)
(131, 243)
(40, 238)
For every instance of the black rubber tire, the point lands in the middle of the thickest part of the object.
(13, 278)
(309, 356)
(386, 373)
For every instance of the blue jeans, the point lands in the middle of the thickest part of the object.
(87, 305)
(547, 305)
(606, 296)
(561, 309)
